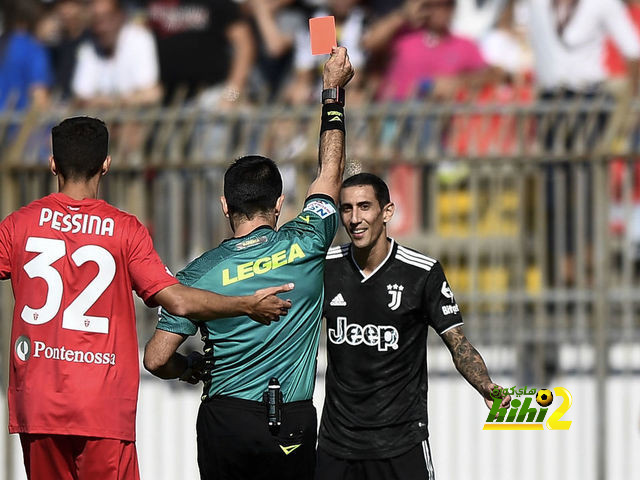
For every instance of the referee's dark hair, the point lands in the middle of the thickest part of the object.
(379, 187)
(80, 146)
(252, 185)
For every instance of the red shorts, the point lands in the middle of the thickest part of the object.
(67, 457)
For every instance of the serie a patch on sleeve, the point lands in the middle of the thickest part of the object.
(320, 208)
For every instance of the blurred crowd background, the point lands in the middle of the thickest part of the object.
(227, 53)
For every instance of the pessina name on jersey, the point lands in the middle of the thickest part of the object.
(76, 223)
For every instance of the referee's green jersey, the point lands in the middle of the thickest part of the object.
(246, 353)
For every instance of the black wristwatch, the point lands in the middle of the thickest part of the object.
(335, 93)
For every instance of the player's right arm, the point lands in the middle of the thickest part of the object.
(263, 306)
(156, 286)
(336, 73)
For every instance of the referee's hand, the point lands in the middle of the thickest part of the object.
(266, 307)
(198, 368)
(338, 70)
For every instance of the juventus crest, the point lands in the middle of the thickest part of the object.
(395, 291)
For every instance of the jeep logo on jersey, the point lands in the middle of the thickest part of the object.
(23, 348)
(446, 291)
(383, 336)
(395, 291)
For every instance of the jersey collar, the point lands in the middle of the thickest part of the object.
(366, 277)
(65, 199)
(234, 241)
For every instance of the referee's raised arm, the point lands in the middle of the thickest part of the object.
(336, 74)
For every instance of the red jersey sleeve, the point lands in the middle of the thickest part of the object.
(148, 274)
(6, 230)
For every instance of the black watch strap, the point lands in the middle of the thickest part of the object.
(335, 93)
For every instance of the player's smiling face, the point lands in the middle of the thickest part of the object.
(363, 217)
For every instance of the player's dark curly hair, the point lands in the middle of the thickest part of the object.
(252, 185)
(379, 187)
(80, 146)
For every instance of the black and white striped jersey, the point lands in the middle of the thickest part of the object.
(376, 383)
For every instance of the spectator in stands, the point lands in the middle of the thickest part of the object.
(205, 46)
(426, 58)
(474, 18)
(568, 40)
(506, 47)
(349, 18)
(380, 8)
(119, 66)
(623, 221)
(25, 72)
(614, 60)
(72, 18)
(277, 22)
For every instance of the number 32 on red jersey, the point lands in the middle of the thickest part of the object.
(74, 316)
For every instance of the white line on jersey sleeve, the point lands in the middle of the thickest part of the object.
(415, 263)
(416, 255)
(452, 326)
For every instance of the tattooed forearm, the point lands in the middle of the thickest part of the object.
(467, 359)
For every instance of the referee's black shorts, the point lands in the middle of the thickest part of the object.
(414, 464)
(234, 441)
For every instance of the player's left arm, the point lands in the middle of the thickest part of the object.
(470, 364)
(444, 316)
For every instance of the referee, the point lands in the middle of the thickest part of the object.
(380, 299)
(257, 420)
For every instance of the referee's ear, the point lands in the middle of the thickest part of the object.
(388, 211)
(223, 204)
(279, 204)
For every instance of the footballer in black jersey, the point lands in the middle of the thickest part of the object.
(380, 299)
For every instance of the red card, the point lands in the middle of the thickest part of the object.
(323, 35)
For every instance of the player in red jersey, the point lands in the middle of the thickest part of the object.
(73, 261)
